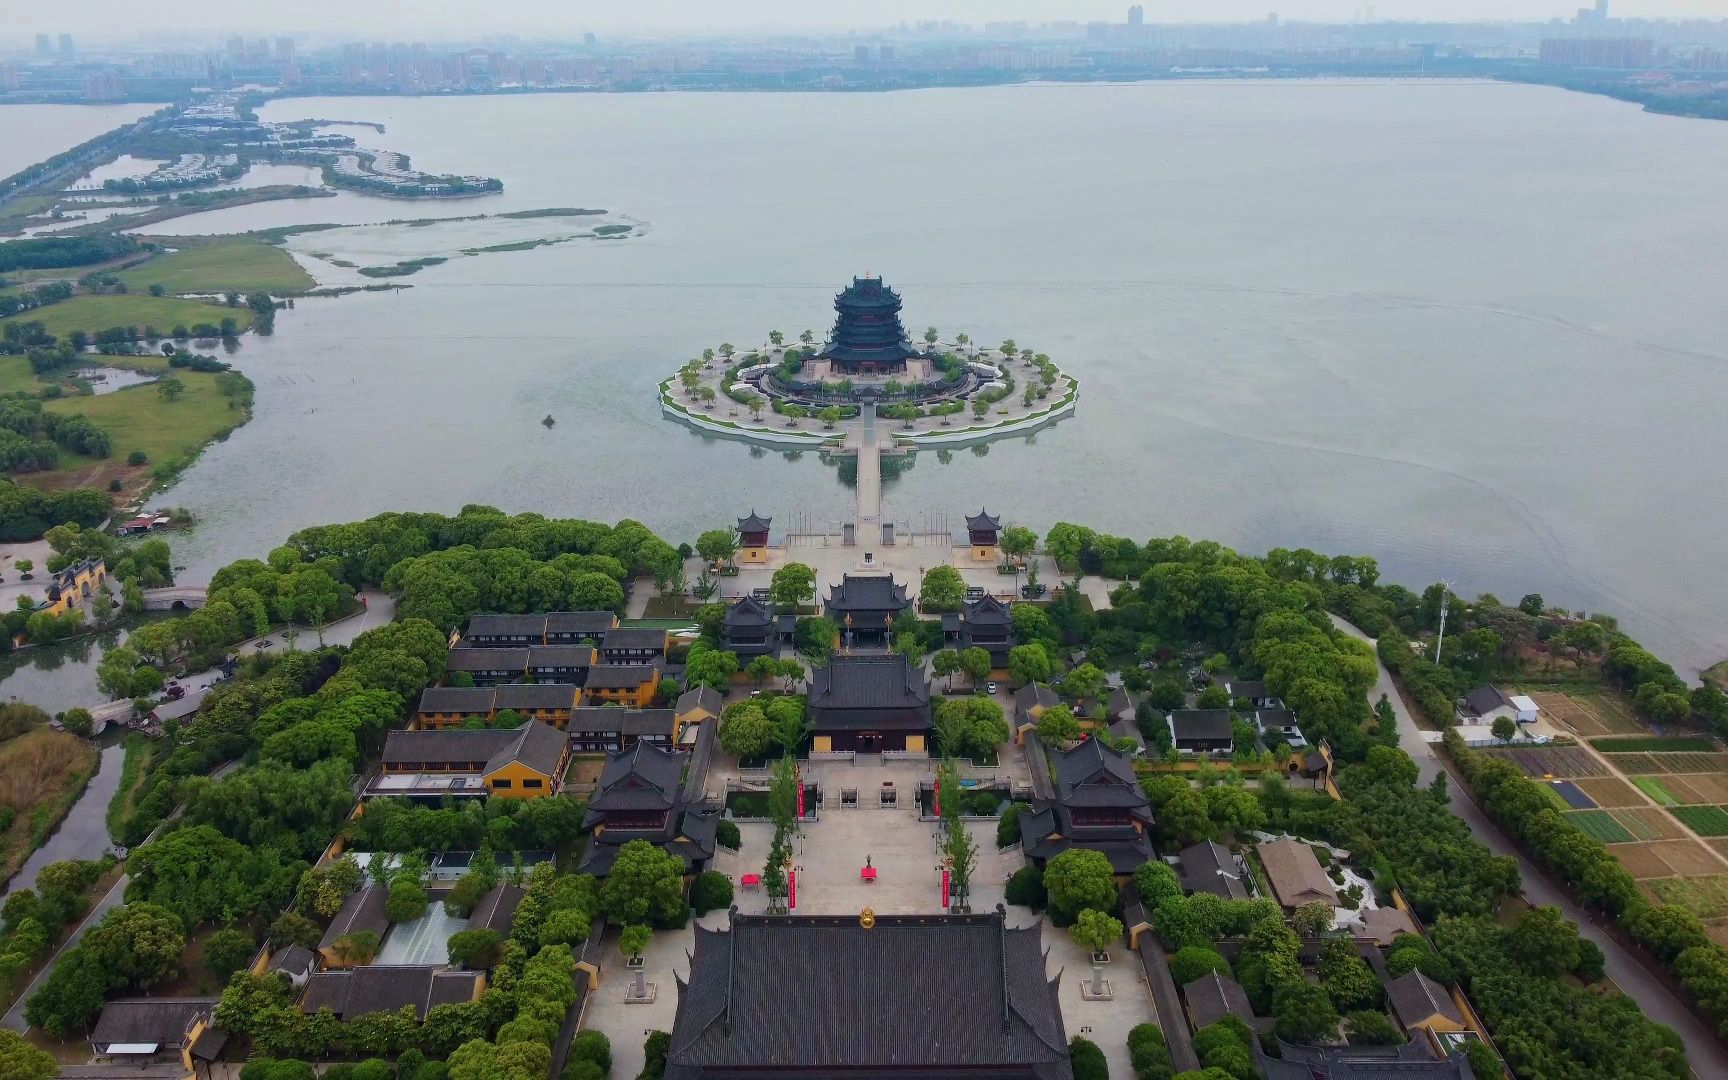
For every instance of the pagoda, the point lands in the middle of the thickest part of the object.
(867, 336)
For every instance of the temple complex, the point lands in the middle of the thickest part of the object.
(867, 336)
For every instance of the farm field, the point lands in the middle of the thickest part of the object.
(1602, 825)
(1654, 788)
(1609, 791)
(1648, 823)
(1668, 763)
(1703, 820)
(1589, 712)
(1561, 761)
(1706, 897)
(1655, 744)
(1649, 860)
(1691, 789)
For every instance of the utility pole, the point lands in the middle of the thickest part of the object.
(1440, 639)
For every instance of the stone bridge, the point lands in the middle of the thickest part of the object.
(174, 598)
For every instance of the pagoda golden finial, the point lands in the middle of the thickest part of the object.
(867, 918)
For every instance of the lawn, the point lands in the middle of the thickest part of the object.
(1705, 897)
(16, 376)
(1649, 744)
(41, 773)
(1703, 820)
(239, 263)
(1601, 825)
(1554, 797)
(137, 418)
(93, 313)
(1652, 787)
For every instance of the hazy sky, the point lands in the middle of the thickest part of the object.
(410, 19)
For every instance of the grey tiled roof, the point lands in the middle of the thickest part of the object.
(507, 626)
(511, 658)
(699, 697)
(496, 909)
(749, 613)
(1034, 694)
(162, 1020)
(1092, 774)
(1212, 997)
(644, 777)
(386, 988)
(591, 718)
(878, 989)
(362, 910)
(1201, 723)
(536, 696)
(1484, 700)
(620, 676)
(560, 656)
(1415, 997)
(579, 622)
(633, 637)
(1208, 867)
(868, 593)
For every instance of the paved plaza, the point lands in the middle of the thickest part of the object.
(829, 854)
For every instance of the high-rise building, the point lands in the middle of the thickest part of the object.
(67, 50)
(284, 50)
(1136, 16)
(235, 50)
(590, 40)
(44, 45)
(861, 54)
(10, 77)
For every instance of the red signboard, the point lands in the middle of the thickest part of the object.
(799, 780)
(792, 890)
(936, 796)
(944, 887)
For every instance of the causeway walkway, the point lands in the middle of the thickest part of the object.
(869, 478)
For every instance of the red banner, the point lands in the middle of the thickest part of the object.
(791, 890)
(936, 796)
(798, 778)
(944, 888)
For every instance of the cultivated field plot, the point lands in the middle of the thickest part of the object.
(1703, 820)
(1691, 789)
(1666, 859)
(1602, 825)
(1654, 744)
(1653, 787)
(1589, 713)
(1667, 763)
(1571, 796)
(1717, 931)
(1721, 846)
(1706, 897)
(1648, 823)
(1610, 791)
(1567, 761)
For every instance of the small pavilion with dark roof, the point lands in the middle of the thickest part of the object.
(639, 798)
(983, 534)
(753, 537)
(890, 995)
(863, 606)
(749, 630)
(985, 624)
(868, 704)
(1098, 806)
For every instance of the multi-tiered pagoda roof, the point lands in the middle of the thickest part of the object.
(867, 333)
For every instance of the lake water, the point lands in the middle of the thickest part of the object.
(1474, 330)
(35, 132)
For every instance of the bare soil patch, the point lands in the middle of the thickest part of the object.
(1649, 823)
(1610, 791)
(1640, 860)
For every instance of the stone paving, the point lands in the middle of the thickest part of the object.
(830, 852)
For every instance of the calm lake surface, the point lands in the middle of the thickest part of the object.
(1474, 330)
(35, 132)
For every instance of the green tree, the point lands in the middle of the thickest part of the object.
(792, 585)
(1085, 682)
(717, 546)
(1095, 931)
(227, 951)
(1312, 919)
(21, 1061)
(975, 662)
(745, 731)
(114, 672)
(1214, 697)
(945, 664)
(476, 950)
(1195, 961)
(1077, 879)
(1371, 1027)
(943, 589)
(170, 388)
(1087, 1061)
(138, 945)
(1347, 979)
(646, 884)
(1154, 881)
(1504, 728)
(1018, 542)
(1543, 941)
(1057, 726)
(1028, 663)
(1303, 1013)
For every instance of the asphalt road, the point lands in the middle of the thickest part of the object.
(1707, 1056)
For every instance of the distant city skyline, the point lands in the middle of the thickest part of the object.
(400, 20)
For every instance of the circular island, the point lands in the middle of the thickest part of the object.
(869, 374)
